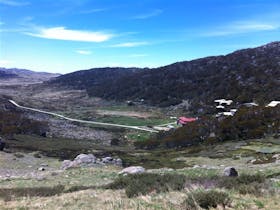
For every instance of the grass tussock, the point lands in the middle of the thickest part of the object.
(206, 199)
(9, 193)
(142, 184)
(245, 184)
(79, 188)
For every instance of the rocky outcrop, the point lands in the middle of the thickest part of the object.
(90, 160)
(84, 158)
(110, 160)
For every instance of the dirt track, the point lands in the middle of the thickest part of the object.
(84, 121)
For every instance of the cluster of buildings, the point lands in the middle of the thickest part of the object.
(223, 106)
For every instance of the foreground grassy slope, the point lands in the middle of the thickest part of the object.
(83, 189)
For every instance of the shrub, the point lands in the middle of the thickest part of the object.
(254, 188)
(9, 193)
(19, 155)
(78, 188)
(259, 204)
(145, 183)
(249, 178)
(244, 184)
(206, 199)
(231, 182)
(14, 122)
(37, 155)
(247, 123)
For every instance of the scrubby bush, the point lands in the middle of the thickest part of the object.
(244, 184)
(206, 199)
(37, 155)
(141, 184)
(14, 122)
(229, 182)
(247, 123)
(19, 155)
(10, 193)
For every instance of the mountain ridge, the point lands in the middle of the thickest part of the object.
(251, 74)
(14, 76)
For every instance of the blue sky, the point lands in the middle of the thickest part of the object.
(67, 35)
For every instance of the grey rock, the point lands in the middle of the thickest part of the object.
(84, 158)
(276, 156)
(89, 160)
(41, 178)
(133, 170)
(196, 166)
(44, 164)
(107, 159)
(66, 164)
(253, 161)
(230, 171)
(118, 162)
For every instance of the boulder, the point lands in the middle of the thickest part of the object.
(84, 158)
(66, 164)
(230, 171)
(118, 162)
(133, 170)
(253, 161)
(276, 156)
(89, 160)
(44, 164)
(107, 159)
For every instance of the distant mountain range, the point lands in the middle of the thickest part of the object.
(243, 76)
(14, 75)
(4, 74)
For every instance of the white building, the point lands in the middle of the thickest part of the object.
(223, 102)
(273, 104)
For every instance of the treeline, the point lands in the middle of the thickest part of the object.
(247, 123)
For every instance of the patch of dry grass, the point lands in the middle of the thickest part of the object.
(116, 199)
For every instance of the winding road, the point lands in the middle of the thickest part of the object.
(84, 121)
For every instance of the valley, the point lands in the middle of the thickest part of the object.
(50, 121)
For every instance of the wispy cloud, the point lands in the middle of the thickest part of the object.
(1, 23)
(130, 44)
(14, 3)
(241, 27)
(90, 11)
(83, 52)
(61, 33)
(153, 13)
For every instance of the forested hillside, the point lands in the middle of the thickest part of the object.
(243, 76)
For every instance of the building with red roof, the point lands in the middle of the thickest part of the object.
(185, 120)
